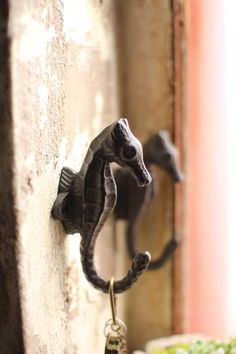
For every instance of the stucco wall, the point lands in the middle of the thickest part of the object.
(63, 67)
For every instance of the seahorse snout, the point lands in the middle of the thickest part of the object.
(144, 180)
(142, 176)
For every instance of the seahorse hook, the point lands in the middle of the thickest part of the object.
(86, 199)
(139, 264)
(132, 202)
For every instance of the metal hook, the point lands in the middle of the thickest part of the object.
(132, 202)
(112, 300)
(86, 199)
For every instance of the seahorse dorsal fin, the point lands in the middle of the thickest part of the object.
(66, 179)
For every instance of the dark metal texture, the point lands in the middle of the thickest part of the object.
(86, 199)
(132, 201)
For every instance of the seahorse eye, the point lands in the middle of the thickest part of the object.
(166, 157)
(129, 152)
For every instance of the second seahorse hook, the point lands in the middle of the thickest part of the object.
(86, 199)
(132, 202)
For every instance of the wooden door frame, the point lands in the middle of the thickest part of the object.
(180, 130)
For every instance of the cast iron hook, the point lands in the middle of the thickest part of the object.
(86, 199)
(132, 202)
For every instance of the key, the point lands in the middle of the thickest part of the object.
(112, 345)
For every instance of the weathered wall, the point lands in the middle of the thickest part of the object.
(63, 66)
(147, 94)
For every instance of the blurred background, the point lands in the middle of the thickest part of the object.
(210, 241)
(192, 53)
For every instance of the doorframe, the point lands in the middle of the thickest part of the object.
(180, 131)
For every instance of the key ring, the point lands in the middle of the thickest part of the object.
(114, 323)
(120, 328)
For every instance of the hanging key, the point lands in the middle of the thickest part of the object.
(123, 346)
(112, 345)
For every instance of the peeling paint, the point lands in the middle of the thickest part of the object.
(34, 38)
(78, 31)
(62, 152)
(73, 248)
(29, 161)
(99, 107)
(43, 100)
(88, 31)
(79, 149)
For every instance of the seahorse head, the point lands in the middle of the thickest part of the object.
(159, 150)
(124, 148)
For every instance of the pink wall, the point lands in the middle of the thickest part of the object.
(208, 278)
